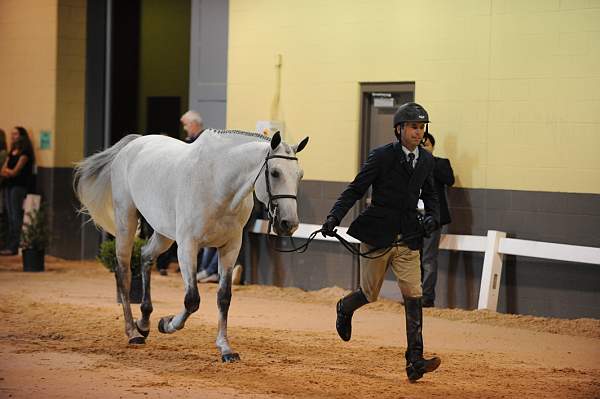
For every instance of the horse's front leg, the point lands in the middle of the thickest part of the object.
(227, 257)
(157, 244)
(187, 254)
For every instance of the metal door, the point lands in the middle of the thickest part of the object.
(208, 61)
(379, 104)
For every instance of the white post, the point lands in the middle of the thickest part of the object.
(492, 271)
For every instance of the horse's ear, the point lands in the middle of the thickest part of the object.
(275, 140)
(300, 146)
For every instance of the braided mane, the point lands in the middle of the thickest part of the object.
(240, 133)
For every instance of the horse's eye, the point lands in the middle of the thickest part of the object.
(275, 173)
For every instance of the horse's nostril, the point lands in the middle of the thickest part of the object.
(285, 225)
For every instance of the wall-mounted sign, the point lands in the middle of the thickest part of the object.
(45, 140)
(383, 100)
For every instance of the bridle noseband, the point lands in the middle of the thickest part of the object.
(272, 206)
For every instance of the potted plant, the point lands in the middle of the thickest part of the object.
(108, 257)
(35, 238)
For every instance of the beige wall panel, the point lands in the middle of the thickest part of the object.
(508, 83)
(28, 68)
(520, 7)
(42, 74)
(573, 4)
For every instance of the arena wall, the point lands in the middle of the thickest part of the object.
(512, 87)
(513, 93)
(42, 76)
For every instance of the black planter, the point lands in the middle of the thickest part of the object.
(135, 290)
(33, 260)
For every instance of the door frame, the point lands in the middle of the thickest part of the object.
(366, 91)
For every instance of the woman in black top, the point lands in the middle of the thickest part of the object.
(3, 223)
(17, 172)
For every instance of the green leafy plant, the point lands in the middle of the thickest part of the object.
(35, 233)
(108, 256)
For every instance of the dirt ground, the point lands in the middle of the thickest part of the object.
(62, 336)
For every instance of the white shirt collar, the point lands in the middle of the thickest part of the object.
(407, 151)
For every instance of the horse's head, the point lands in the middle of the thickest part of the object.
(277, 187)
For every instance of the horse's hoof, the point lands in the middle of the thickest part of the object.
(163, 323)
(137, 341)
(145, 333)
(230, 358)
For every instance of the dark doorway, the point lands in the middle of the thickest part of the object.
(163, 115)
(124, 68)
(379, 102)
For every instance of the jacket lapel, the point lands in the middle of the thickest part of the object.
(401, 163)
(421, 165)
(420, 161)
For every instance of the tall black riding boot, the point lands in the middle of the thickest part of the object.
(416, 365)
(345, 309)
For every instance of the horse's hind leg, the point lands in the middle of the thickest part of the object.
(157, 244)
(187, 254)
(227, 257)
(126, 222)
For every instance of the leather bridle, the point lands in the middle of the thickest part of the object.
(272, 206)
(272, 213)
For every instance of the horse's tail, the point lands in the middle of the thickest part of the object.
(92, 184)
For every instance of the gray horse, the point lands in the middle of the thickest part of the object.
(199, 195)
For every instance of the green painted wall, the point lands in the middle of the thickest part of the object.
(164, 52)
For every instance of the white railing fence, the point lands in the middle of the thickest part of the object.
(494, 246)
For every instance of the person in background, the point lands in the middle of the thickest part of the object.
(397, 173)
(17, 172)
(208, 258)
(193, 126)
(3, 148)
(443, 177)
(208, 265)
(3, 155)
(247, 258)
(163, 260)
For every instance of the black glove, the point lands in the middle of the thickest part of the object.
(329, 226)
(429, 225)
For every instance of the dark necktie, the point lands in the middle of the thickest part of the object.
(411, 158)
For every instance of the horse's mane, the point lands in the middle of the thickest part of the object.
(234, 133)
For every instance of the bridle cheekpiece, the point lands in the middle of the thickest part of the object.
(272, 205)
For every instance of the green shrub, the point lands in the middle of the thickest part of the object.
(36, 234)
(108, 256)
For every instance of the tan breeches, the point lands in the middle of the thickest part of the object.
(405, 264)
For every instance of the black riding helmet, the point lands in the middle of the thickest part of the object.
(410, 112)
